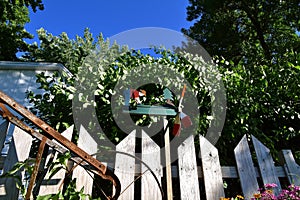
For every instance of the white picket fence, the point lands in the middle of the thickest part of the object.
(189, 173)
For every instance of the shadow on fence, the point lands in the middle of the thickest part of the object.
(190, 180)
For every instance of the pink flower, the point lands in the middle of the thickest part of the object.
(270, 185)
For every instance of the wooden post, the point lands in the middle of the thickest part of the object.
(168, 160)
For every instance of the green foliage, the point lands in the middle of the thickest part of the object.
(61, 49)
(262, 98)
(260, 71)
(34, 4)
(55, 105)
(104, 69)
(70, 193)
(256, 45)
(263, 102)
(248, 31)
(14, 15)
(60, 163)
(26, 166)
(13, 18)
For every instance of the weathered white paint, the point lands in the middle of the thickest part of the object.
(125, 166)
(18, 152)
(187, 167)
(246, 168)
(16, 78)
(53, 185)
(84, 179)
(150, 156)
(212, 172)
(266, 164)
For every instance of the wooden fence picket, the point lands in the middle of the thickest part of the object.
(187, 167)
(212, 172)
(187, 170)
(52, 186)
(291, 167)
(125, 166)
(19, 150)
(246, 168)
(84, 178)
(266, 164)
(151, 156)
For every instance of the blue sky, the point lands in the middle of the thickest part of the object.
(109, 17)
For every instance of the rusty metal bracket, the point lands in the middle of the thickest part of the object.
(36, 168)
(99, 167)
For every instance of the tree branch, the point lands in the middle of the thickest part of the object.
(258, 29)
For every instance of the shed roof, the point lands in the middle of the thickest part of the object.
(41, 66)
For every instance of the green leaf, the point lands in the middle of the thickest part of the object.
(58, 196)
(56, 169)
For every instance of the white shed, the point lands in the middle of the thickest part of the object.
(18, 77)
(15, 79)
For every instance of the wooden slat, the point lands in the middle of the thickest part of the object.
(292, 168)
(227, 171)
(188, 175)
(246, 168)
(151, 156)
(124, 166)
(266, 164)
(18, 151)
(52, 186)
(211, 170)
(3, 133)
(168, 160)
(89, 145)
